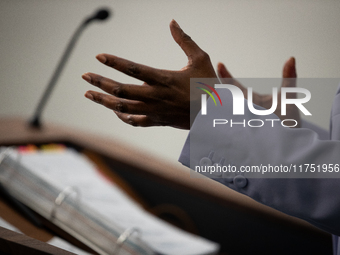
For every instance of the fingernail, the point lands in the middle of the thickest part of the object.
(292, 60)
(89, 96)
(86, 77)
(220, 65)
(101, 58)
(175, 23)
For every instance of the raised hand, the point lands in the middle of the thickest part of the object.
(289, 80)
(164, 97)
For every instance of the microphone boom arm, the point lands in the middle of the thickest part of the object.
(35, 122)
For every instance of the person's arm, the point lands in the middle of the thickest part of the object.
(314, 200)
(164, 99)
(322, 133)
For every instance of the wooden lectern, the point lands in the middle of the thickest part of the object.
(202, 206)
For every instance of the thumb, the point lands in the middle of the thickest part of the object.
(189, 47)
(222, 71)
(289, 76)
(224, 74)
(289, 70)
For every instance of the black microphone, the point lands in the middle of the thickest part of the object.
(101, 14)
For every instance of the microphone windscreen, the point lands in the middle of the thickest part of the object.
(102, 14)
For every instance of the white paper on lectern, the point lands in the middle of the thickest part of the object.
(69, 168)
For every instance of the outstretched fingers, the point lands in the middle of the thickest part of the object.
(117, 104)
(164, 94)
(127, 91)
(148, 74)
